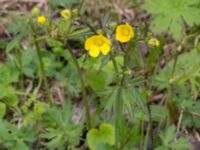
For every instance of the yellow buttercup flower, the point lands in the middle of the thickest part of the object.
(124, 33)
(41, 20)
(154, 42)
(96, 44)
(66, 13)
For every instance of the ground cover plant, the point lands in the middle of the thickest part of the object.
(100, 75)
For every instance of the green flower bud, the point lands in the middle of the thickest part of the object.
(35, 12)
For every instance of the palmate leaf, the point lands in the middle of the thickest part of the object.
(187, 70)
(61, 131)
(170, 15)
(14, 138)
(170, 141)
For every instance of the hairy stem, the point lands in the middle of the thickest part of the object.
(85, 97)
(171, 107)
(114, 63)
(19, 53)
(119, 102)
(43, 76)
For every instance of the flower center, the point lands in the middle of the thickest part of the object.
(98, 42)
(66, 13)
(125, 32)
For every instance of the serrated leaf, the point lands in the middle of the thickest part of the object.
(170, 140)
(159, 113)
(8, 74)
(170, 15)
(186, 70)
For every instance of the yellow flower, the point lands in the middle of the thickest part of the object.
(41, 20)
(96, 44)
(154, 42)
(66, 13)
(124, 33)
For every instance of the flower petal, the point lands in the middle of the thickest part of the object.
(105, 49)
(123, 39)
(94, 52)
(105, 39)
(88, 43)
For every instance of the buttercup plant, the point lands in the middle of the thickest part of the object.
(110, 70)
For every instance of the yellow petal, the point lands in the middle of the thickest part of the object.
(41, 19)
(123, 39)
(106, 40)
(105, 49)
(94, 52)
(88, 43)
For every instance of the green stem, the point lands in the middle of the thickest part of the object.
(119, 102)
(114, 63)
(43, 76)
(147, 97)
(19, 53)
(142, 133)
(150, 123)
(85, 98)
(89, 25)
(171, 107)
(118, 112)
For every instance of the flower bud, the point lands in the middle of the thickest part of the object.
(35, 12)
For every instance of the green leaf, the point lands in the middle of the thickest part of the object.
(54, 43)
(77, 33)
(64, 3)
(170, 15)
(159, 113)
(186, 70)
(153, 57)
(8, 95)
(2, 110)
(104, 147)
(11, 45)
(95, 80)
(29, 62)
(3, 44)
(170, 140)
(110, 99)
(12, 100)
(12, 137)
(8, 74)
(61, 131)
(104, 135)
